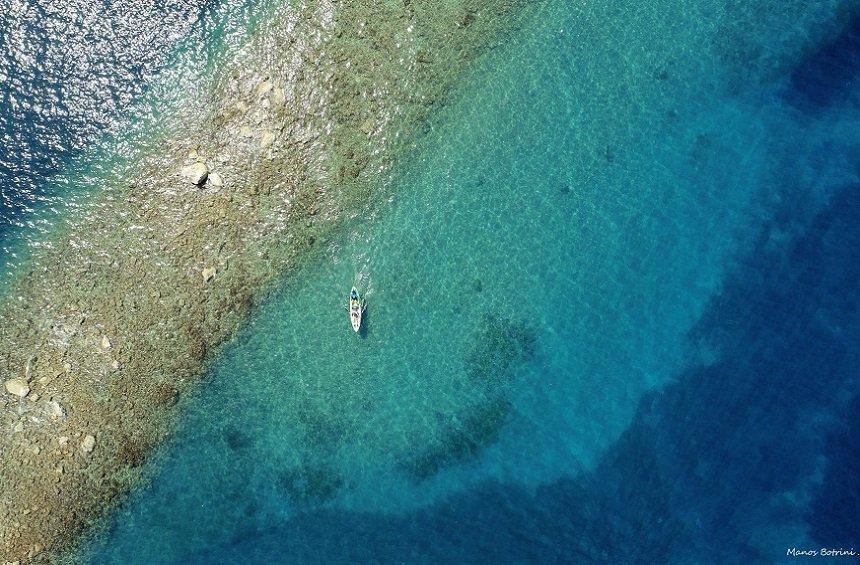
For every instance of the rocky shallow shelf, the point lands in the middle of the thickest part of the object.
(104, 327)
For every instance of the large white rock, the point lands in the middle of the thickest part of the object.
(18, 387)
(57, 411)
(88, 444)
(267, 138)
(278, 97)
(264, 87)
(196, 173)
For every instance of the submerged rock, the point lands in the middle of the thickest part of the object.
(264, 87)
(215, 179)
(196, 174)
(266, 139)
(208, 274)
(57, 411)
(278, 97)
(88, 444)
(18, 387)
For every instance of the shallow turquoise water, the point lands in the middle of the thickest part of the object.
(543, 273)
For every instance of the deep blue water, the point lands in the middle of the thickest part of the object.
(613, 318)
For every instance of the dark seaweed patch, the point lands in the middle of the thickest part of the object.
(310, 484)
(319, 431)
(132, 450)
(235, 438)
(461, 439)
(609, 154)
(502, 345)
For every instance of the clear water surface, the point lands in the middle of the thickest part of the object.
(612, 318)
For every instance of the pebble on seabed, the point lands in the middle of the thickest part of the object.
(18, 387)
(88, 444)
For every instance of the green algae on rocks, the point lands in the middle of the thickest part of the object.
(115, 315)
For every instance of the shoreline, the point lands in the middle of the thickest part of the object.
(107, 326)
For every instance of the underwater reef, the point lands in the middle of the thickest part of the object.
(115, 315)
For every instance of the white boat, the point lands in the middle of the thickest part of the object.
(356, 309)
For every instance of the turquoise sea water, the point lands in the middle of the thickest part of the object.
(612, 318)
